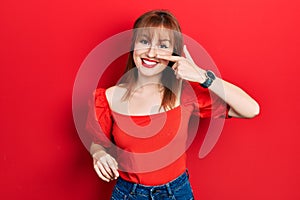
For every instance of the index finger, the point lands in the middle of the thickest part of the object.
(187, 54)
(169, 58)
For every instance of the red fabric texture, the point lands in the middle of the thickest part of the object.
(151, 148)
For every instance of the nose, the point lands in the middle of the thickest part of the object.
(152, 52)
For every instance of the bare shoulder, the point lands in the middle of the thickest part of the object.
(115, 93)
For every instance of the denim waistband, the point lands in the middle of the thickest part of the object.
(132, 188)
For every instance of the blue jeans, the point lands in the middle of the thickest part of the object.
(178, 189)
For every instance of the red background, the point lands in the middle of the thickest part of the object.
(43, 43)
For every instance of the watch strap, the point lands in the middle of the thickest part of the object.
(209, 80)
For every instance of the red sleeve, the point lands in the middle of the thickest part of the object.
(99, 121)
(206, 104)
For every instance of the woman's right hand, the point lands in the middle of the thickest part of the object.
(105, 166)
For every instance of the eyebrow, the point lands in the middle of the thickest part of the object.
(148, 37)
(144, 35)
(165, 40)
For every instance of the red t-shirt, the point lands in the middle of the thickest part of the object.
(150, 149)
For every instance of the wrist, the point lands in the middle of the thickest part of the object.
(202, 76)
(98, 154)
(210, 77)
(95, 149)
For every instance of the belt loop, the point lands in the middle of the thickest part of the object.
(169, 189)
(133, 188)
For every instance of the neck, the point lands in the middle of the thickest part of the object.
(149, 82)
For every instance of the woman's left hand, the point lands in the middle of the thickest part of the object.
(185, 68)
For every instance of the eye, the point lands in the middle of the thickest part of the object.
(163, 46)
(143, 41)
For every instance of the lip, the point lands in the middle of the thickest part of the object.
(149, 63)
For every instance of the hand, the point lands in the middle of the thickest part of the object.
(105, 166)
(185, 67)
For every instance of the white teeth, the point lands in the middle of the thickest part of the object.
(149, 62)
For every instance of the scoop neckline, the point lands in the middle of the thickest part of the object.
(144, 115)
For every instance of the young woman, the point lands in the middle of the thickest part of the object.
(145, 117)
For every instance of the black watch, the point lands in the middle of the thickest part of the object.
(210, 77)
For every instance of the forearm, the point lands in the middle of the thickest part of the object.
(240, 102)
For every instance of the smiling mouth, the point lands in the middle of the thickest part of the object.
(149, 63)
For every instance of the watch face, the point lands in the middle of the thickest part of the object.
(211, 75)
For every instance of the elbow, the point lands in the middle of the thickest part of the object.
(257, 110)
(254, 111)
